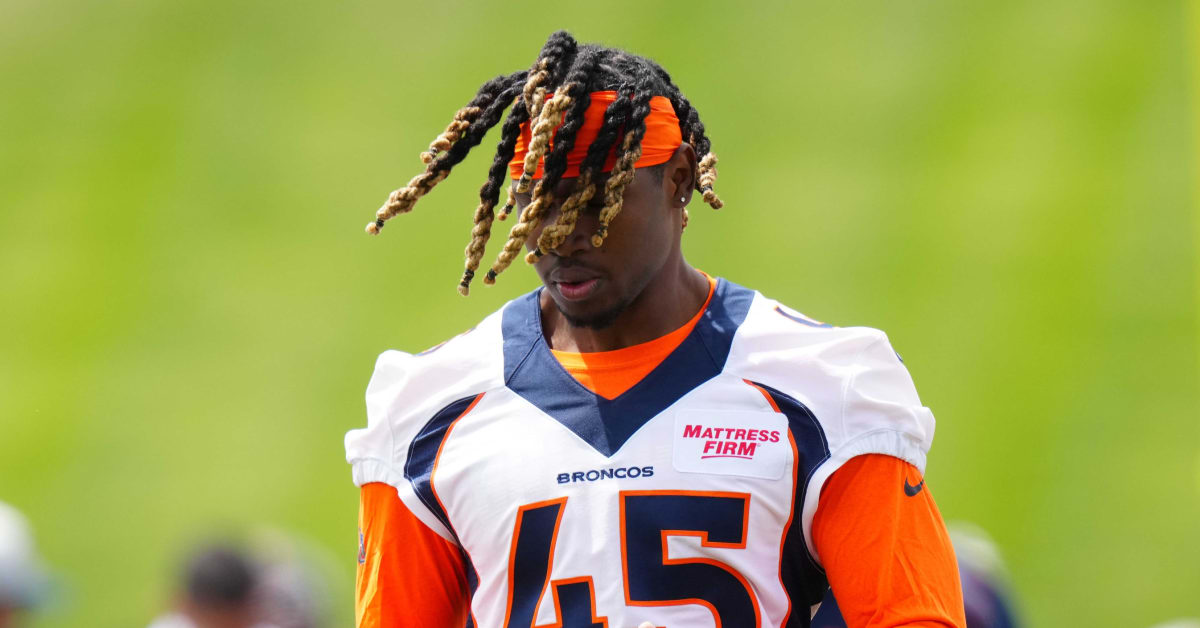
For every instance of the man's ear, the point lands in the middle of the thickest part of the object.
(679, 176)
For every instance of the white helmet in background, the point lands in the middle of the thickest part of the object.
(23, 580)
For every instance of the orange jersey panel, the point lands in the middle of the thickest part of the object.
(407, 574)
(885, 547)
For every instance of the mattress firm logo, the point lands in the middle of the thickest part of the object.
(731, 442)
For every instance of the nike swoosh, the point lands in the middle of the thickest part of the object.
(911, 490)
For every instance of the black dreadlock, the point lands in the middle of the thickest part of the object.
(555, 89)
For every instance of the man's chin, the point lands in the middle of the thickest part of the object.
(592, 320)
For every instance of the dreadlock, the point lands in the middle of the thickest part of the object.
(552, 96)
(573, 94)
(492, 96)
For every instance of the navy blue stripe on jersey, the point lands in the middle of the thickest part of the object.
(531, 371)
(422, 454)
(472, 584)
(803, 578)
(801, 319)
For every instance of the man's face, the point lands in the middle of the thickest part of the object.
(593, 286)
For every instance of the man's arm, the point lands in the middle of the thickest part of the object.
(408, 575)
(885, 548)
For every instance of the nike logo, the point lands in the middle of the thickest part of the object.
(911, 490)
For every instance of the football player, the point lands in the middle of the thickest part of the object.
(635, 441)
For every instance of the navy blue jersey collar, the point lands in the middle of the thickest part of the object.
(531, 371)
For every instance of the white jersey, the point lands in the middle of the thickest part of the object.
(686, 501)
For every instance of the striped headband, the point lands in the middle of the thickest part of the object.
(658, 144)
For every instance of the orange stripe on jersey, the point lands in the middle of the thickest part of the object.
(407, 574)
(610, 373)
(438, 456)
(885, 548)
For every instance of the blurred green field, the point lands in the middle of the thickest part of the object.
(190, 310)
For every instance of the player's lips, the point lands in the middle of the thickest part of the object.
(574, 283)
(576, 290)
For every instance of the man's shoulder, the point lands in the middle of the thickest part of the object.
(408, 391)
(782, 344)
(850, 378)
(772, 330)
(466, 364)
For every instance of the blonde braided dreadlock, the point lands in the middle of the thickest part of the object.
(479, 115)
(706, 176)
(553, 235)
(548, 116)
(529, 220)
(614, 188)
(573, 98)
(568, 72)
(489, 194)
(461, 122)
(543, 194)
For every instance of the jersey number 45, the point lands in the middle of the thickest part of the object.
(648, 519)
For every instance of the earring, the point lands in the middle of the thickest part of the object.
(682, 199)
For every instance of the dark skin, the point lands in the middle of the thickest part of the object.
(637, 286)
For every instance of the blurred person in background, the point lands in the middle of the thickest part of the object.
(273, 584)
(218, 590)
(23, 579)
(294, 580)
(986, 594)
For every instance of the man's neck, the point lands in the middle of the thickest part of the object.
(666, 304)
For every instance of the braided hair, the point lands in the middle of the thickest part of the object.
(555, 94)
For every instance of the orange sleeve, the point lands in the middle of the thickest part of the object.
(407, 574)
(885, 548)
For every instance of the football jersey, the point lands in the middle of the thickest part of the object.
(687, 500)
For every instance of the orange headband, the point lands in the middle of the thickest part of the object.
(658, 144)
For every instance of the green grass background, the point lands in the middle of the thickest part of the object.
(189, 310)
